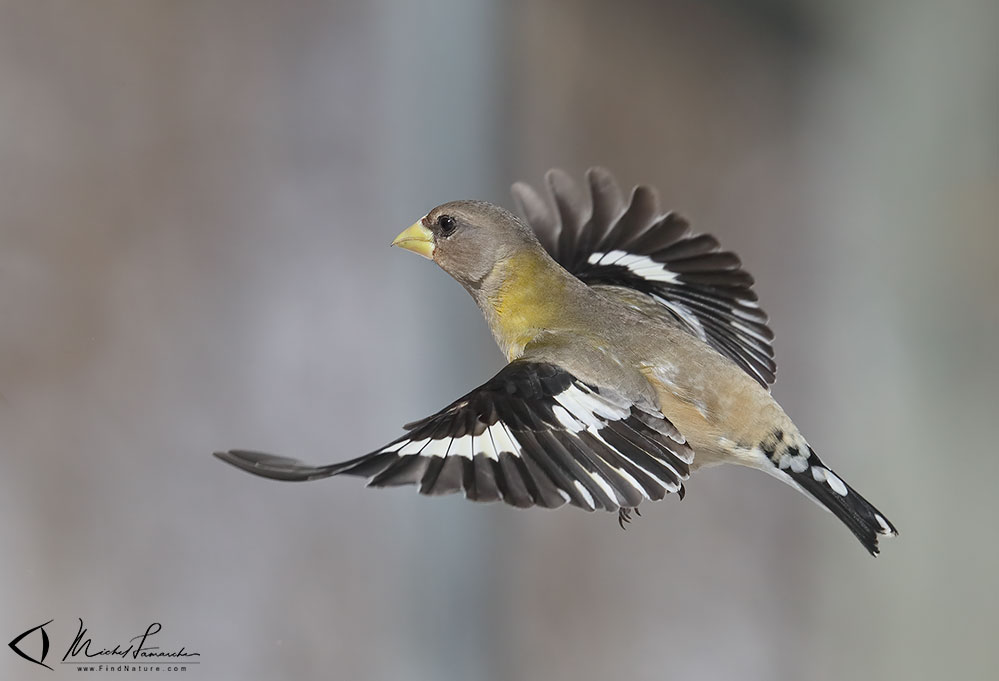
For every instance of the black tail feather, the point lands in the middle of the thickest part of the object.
(858, 514)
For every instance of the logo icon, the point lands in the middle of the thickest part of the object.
(45, 645)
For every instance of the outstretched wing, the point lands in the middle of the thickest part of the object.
(604, 241)
(534, 435)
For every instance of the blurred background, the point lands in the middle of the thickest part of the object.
(196, 202)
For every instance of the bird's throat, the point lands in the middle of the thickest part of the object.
(526, 298)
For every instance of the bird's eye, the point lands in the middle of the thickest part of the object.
(447, 225)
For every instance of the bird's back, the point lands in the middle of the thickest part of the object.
(724, 413)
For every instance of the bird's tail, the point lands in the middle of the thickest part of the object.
(807, 472)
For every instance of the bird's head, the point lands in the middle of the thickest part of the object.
(467, 238)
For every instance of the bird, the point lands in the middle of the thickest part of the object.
(637, 354)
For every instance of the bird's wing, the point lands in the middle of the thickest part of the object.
(604, 241)
(534, 435)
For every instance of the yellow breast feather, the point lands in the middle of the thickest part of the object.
(530, 299)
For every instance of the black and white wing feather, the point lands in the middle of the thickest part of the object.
(534, 435)
(605, 241)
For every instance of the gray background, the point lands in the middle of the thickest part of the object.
(196, 200)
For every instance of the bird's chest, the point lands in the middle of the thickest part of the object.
(527, 302)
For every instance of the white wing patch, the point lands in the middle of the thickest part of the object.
(437, 447)
(503, 440)
(604, 485)
(587, 497)
(566, 419)
(641, 265)
(573, 401)
(494, 441)
(585, 405)
(487, 446)
(567, 441)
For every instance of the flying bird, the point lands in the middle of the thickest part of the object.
(637, 352)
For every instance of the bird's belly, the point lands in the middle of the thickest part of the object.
(710, 443)
(723, 424)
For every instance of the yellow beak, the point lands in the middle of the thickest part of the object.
(417, 239)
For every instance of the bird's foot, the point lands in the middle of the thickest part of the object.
(624, 516)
